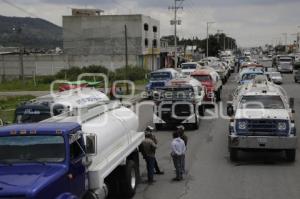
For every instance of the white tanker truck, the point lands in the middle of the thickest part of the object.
(88, 150)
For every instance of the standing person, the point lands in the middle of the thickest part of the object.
(157, 170)
(180, 130)
(119, 93)
(178, 150)
(148, 148)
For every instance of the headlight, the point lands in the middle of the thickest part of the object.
(281, 126)
(242, 125)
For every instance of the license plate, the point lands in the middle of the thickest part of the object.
(262, 140)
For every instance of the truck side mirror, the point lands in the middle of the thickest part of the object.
(230, 110)
(292, 102)
(91, 144)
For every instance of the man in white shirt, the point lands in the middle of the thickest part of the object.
(178, 152)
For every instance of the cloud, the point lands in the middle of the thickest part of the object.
(252, 22)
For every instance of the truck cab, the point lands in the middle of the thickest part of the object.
(261, 119)
(181, 102)
(212, 83)
(159, 79)
(45, 107)
(285, 64)
(248, 74)
(42, 161)
(189, 67)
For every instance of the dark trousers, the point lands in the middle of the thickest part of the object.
(150, 161)
(178, 164)
(156, 168)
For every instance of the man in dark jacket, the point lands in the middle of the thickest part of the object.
(148, 148)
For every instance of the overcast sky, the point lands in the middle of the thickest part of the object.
(251, 22)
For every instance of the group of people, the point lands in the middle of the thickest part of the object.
(178, 150)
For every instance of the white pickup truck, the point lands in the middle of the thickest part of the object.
(261, 119)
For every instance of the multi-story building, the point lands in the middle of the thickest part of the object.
(100, 39)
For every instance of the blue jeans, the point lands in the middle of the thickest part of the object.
(150, 161)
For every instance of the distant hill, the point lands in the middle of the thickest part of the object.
(30, 32)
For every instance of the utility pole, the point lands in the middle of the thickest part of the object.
(285, 38)
(207, 38)
(18, 30)
(298, 39)
(219, 34)
(176, 22)
(126, 59)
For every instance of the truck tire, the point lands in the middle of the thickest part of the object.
(201, 110)
(130, 179)
(196, 124)
(290, 155)
(233, 153)
(158, 127)
(218, 95)
(90, 195)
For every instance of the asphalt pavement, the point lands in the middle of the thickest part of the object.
(210, 174)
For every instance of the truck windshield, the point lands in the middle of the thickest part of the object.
(285, 60)
(188, 66)
(160, 75)
(249, 76)
(32, 149)
(261, 102)
(202, 78)
(31, 118)
(177, 93)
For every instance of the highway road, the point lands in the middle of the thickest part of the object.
(211, 175)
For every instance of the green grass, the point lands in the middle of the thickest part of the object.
(9, 104)
(18, 85)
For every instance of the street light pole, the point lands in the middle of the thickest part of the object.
(207, 38)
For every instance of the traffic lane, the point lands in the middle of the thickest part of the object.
(212, 175)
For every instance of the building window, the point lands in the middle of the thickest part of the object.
(154, 43)
(146, 43)
(154, 28)
(146, 27)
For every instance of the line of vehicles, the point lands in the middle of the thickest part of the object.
(79, 144)
(181, 96)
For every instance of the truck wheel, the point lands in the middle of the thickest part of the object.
(201, 110)
(90, 195)
(233, 154)
(218, 96)
(196, 124)
(290, 155)
(158, 127)
(130, 179)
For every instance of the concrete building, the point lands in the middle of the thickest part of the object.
(101, 38)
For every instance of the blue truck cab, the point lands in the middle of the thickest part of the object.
(42, 161)
(159, 79)
(248, 74)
